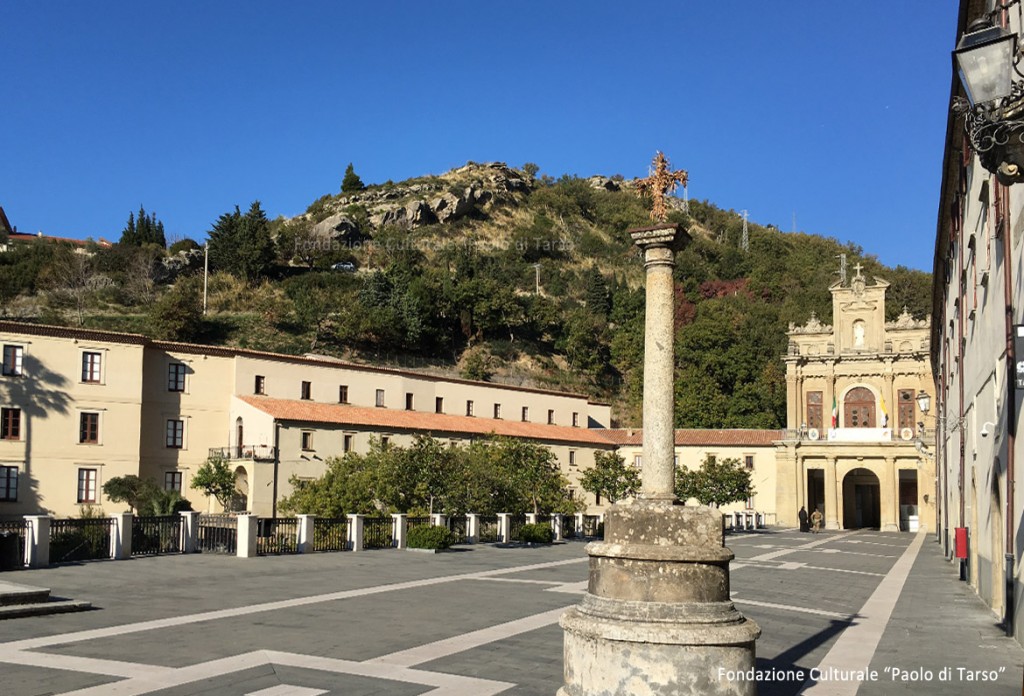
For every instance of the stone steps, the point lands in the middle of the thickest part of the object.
(24, 600)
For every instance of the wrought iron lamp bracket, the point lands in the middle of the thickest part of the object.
(996, 132)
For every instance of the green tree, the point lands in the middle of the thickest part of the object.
(215, 479)
(146, 229)
(717, 482)
(241, 244)
(596, 293)
(178, 315)
(129, 489)
(534, 473)
(351, 183)
(610, 477)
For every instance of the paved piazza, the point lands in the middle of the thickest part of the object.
(871, 613)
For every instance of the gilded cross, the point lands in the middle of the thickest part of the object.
(661, 182)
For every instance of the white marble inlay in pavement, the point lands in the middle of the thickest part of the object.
(287, 690)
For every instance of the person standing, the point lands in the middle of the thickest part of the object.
(816, 518)
(802, 515)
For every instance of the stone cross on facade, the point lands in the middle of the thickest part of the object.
(857, 267)
(659, 184)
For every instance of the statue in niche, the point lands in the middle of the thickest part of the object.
(858, 334)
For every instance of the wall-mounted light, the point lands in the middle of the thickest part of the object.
(987, 428)
(984, 58)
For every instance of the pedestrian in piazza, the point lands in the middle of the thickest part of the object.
(816, 518)
(802, 515)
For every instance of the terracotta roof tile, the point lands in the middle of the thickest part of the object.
(343, 414)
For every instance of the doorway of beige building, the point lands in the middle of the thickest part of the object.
(909, 517)
(862, 504)
(815, 490)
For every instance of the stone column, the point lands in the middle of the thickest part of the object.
(556, 526)
(189, 531)
(37, 543)
(304, 534)
(833, 490)
(579, 526)
(889, 496)
(121, 536)
(656, 618)
(472, 528)
(247, 530)
(504, 526)
(400, 523)
(355, 532)
(531, 518)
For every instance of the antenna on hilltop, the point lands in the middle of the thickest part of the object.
(842, 269)
(745, 239)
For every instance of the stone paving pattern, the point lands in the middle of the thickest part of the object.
(393, 622)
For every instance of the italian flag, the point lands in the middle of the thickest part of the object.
(835, 412)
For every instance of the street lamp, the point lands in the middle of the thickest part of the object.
(984, 58)
(924, 401)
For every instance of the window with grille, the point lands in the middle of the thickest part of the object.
(91, 363)
(89, 428)
(176, 433)
(526, 414)
(469, 408)
(87, 485)
(13, 356)
(261, 385)
(176, 377)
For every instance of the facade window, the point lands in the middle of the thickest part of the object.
(307, 440)
(89, 428)
(906, 410)
(8, 484)
(87, 485)
(10, 423)
(675, 460)
(750, 503)
(261, 385)
(712, 458)
(497, 411)
(814, 410)
(859, 408)
(572, 457)
(343, 394)
(469, 408)
(748, 459)
(551, 416)
(307, 390)
(91, 364)
(408, 401)
(176, 377)
(346, 443)
(438, 404)
(385, 440)
(575, 419)
(597, 499)
(172, 481)
(175, 433)
(380, 398)
(526, 414)
(638, 460)
(12, 360)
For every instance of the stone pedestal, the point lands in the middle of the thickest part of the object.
(657, 618)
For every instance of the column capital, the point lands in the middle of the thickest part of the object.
(660, 242)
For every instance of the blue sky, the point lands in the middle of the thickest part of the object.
(834, 112)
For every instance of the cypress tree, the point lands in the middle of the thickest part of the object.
(351, 183)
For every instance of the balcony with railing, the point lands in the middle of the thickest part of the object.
(259, 453)
(869, 435)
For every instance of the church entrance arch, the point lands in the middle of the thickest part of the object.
(862, 502)
(859, 408)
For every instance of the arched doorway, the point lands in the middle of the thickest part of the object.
(240, 500)
(862, 503)
(859, 408)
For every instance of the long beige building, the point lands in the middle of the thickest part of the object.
(853, 447)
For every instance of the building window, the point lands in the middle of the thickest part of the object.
(176, 377)
(8, 484)
(572, 457)
(346, 443)
(175, 433)
(87, 485)
(749, 461)
(261, 385)
(906, 409)
(750, 503)
(307, 440)
(469, 408)
(438, 404)
(497, 411)
(711, 458)
(597, 498)
(89, 428)
(526, 414)
(551, 416)
(385, 440)
(10, 423)
(172, 481)
(343, 394)
(91, 363)
(575, 420)
(380, 398)
(307, 389)
(814, 410)
(12, 360)
(408, 401)
(638, 460)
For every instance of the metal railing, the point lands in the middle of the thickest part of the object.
(277, 535)
(411, 522)
(255, 452)
(592, 526)
(377, 533)
(330, 534)
(515, 525)
(488, 533)
(80, 539)
(458, 525)
(20, 530)
(156, 535)
(218, 534)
